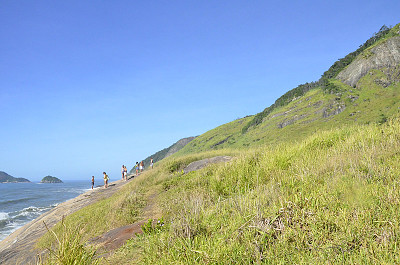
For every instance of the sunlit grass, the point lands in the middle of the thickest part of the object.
(330, 199)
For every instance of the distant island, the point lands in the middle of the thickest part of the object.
(5, 178)
(50, 179)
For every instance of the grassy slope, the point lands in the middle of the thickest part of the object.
(307, 113)
(370, 103)
(331, 198)
(306, 196)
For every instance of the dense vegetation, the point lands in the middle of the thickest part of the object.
(324, 82)
(50, 179)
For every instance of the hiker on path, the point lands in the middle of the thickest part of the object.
(125, 173)
(92, 182)
(106, 178)
(137, 169)
(151, 163)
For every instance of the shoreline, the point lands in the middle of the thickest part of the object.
(18, 247)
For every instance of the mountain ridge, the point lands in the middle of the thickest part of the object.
(166, 152)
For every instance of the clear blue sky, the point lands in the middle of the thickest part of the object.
(86, 86)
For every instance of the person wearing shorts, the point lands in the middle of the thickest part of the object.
(141, 166)
(125, 173)
(106, 178)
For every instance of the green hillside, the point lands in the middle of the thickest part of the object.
(315, 180)
(165, 152)
(299, 113)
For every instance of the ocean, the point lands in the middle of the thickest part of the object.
(20, 203)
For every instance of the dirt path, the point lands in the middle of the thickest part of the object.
(18, 248)
(114, 239)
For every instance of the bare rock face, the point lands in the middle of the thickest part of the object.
(205, 162)
(386, 54)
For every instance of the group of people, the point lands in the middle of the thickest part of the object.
(139, 167)
(124, 171)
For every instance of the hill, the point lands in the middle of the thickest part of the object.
(362, 88)
(166, 152)
(50, 179)
(5, 178)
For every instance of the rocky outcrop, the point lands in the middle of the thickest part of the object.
(287, 122)
(205, 162)
(384, 55)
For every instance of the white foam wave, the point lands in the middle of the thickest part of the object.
(4, 216)
(32, 211)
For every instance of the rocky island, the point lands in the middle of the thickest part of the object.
(50, 179)
(5, 178)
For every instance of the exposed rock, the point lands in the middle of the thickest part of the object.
(281, 114)
(221, 142)
(205, 162)
(333, 110)
(386, 54)
(353, 98)
(317, 104)
(291, 121)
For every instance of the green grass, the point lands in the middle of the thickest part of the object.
(332, 198)
(68, 248)
(308, 185)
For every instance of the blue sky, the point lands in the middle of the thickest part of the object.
(86, 86)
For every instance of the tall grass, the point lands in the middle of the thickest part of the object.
(68, 249)
(331, 199)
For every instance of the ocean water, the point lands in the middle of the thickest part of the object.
(20, 203)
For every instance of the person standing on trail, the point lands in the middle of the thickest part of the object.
(141, 166)
(92, 182)
(137, 168)
(106, 178)
(151, 163)
(125, 173)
